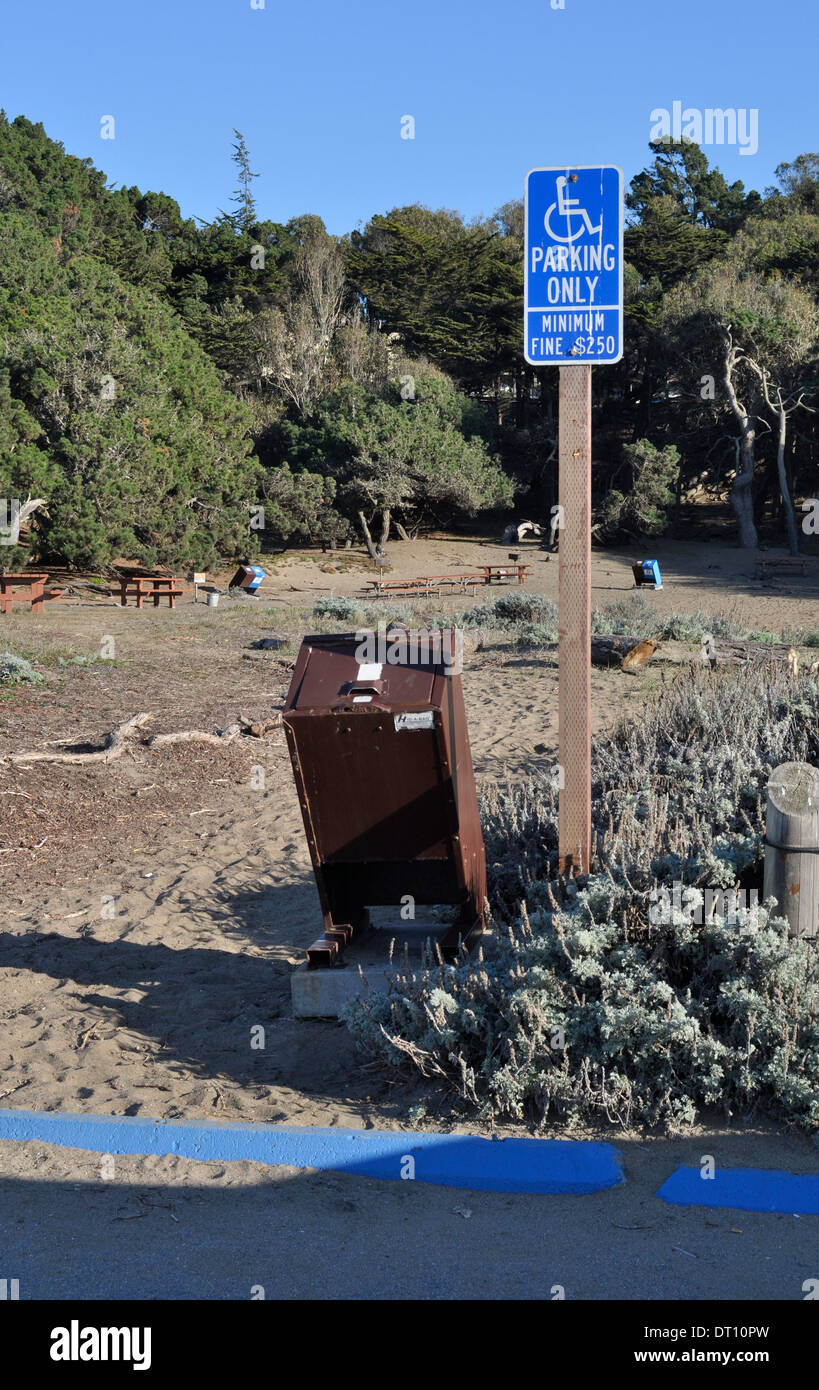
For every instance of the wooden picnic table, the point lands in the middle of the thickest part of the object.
(497, 573)
(153, 586)
(34, 583)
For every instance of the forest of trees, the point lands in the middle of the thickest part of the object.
(160, 378)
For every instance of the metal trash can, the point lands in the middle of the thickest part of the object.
(248, 577)
(383, 769)
(647, 574)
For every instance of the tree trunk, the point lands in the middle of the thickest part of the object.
(790, 516)
(741, 495)
(368, 540)
(401, 532)
(385, 528)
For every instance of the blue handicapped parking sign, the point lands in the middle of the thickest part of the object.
(573, 294)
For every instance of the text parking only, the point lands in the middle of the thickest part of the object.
(573, 291)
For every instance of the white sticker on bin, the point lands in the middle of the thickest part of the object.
(362, 699)
(423, 719)
(369, 671)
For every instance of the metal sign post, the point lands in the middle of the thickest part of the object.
(573, 315)
(574, 619)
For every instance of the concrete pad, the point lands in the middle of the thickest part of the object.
(323, 993)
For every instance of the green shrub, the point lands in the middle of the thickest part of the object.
(510, 610)
(535, 636)
(15, 670)
(629, 617)
(588, 1009)
(635, 616)
(574, 1020)
(375, 613)
(347, 610)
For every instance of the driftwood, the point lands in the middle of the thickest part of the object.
(724, 652)
(114, 746)
(124, 735)
(196, 736)
(621, 651)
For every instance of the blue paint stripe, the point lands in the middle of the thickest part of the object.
(450, 1160)
(748, 1189)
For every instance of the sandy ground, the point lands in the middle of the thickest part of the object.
(152, 910)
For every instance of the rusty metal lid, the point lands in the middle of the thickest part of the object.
(330, 674)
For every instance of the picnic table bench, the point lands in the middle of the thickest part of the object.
(781, 564)
(433, 584)
(34, 584)
(150, 586)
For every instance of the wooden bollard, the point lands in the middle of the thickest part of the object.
(792, 846)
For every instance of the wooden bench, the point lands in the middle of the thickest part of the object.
(142, 587)
(435, 583)
(32, 583)
(431, 584)
(781, 564)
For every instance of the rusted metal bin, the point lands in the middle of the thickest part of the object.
(383, 770)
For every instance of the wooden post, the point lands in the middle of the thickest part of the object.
(574, 619)
(792, 846)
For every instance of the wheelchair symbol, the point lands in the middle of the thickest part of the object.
(569, 208)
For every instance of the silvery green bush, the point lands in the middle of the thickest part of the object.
(635, 616)
(678, 793)
(587, 1008)
(345, 609)
(576, 1020)
(534, 636)
(371, 614)
(510, 610)
(15, 670)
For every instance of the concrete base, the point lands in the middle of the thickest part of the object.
(323, 993)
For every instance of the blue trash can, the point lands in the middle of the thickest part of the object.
(647, 574)
(248, 577)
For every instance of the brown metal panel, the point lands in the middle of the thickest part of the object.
(383, 768)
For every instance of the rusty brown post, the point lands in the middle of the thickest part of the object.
(574, 618)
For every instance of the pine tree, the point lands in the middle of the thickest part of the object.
(243, 196)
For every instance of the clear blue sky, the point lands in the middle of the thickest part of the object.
(319, 89)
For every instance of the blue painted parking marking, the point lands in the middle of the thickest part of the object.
(747, 1189)
(449, 1160)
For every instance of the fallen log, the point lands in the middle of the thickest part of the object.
(621, 651)
(729, 652)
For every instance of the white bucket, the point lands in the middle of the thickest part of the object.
(213, 600)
